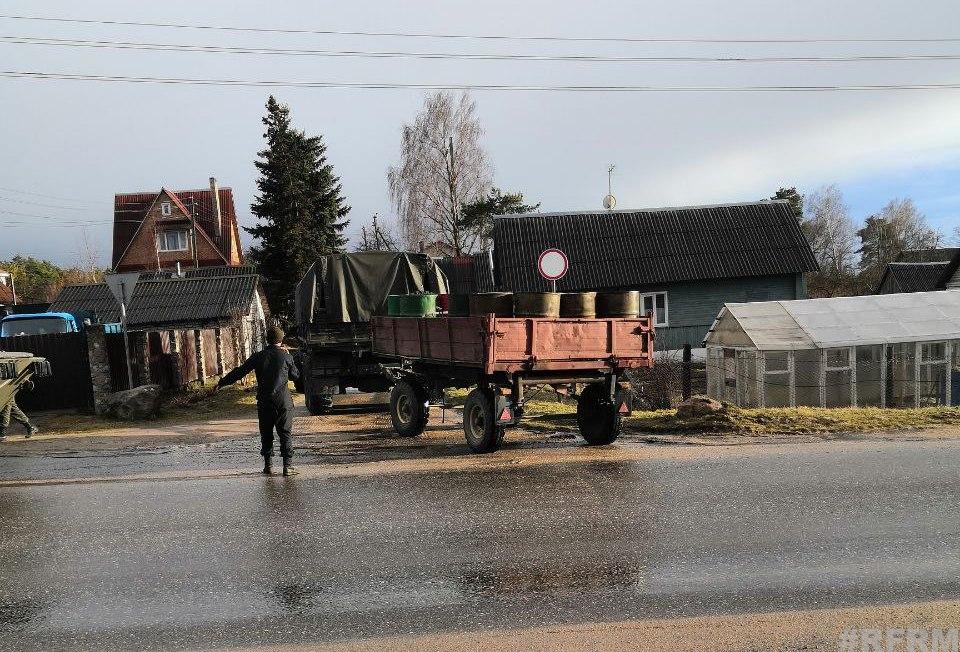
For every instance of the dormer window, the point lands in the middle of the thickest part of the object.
(173, 241)
(165, 209)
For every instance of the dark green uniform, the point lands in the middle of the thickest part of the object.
(273, 367)
(11, 409)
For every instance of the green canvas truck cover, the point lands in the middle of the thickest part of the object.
(343, 288)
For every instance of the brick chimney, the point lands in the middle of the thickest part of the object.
(217, 215)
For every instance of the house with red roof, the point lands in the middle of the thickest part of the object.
(157, 230)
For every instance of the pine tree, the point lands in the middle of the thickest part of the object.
(300, 210)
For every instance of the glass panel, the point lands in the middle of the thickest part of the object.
(933, 351)
(838, 388)
(869, 389)
(838, 357)
(901, 374)
(933, 384)
(807, 369)
(648, 306)
(776, 360)
(661, 308)
(776, 389)
(730, 376)
(747, 378)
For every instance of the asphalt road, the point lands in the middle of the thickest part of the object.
(244, 560)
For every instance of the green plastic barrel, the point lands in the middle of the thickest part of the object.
(412, 305)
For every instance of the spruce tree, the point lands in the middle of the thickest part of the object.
(299, 207)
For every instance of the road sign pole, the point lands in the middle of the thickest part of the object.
(126, 344)
(122, 287)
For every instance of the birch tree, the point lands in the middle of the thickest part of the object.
(442, 167)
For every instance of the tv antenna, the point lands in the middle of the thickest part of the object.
(610, 202)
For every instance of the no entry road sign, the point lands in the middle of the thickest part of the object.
(553, 264)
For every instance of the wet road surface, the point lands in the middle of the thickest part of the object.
(251, 560)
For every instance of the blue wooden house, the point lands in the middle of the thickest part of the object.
(686, 262)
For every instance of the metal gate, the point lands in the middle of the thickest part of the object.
(69, 386)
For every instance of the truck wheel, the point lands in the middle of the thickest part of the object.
(408, 408)
(318, 404)
(597, 416)
(480, 423)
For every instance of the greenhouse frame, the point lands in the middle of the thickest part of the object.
(888, 350)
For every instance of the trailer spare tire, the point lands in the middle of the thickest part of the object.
(408, 408)
(480, 423)
(597, 416)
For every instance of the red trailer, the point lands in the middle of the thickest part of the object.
(501, 356)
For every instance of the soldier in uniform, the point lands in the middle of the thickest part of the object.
(11, 409)
(274, 367)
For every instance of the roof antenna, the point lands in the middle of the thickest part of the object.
(610, 202)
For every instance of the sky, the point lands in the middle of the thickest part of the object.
(68, 146)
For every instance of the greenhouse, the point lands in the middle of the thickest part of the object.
(887, 350)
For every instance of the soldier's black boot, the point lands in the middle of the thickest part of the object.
(288, 467)
(266, 466)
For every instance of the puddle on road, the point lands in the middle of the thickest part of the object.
(17, 614)
(556, 580)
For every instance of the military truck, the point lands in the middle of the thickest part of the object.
(17, 368)
(335, 301)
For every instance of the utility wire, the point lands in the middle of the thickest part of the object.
(495, 37)
(44, 196)
(391, 54)
(34, 203)
(17, 74)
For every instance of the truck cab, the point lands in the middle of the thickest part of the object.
(41, 323)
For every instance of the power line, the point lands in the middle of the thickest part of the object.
(392, 54)
(495, 37)
(34, 203)
(16, 74)
(37, 194)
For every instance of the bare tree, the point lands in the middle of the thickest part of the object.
(88, 259)
(830, 231)
(442, 166)
(376, 237)
(898, 227)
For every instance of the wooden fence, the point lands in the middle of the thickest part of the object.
(69, 385)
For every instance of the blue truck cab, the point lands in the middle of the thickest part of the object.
(40, 323)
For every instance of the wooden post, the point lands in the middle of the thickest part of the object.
(948, 378)
(917, 348)
(823, 378)
(761, 377)
(853, 376)
(687, 371)
(883, 375)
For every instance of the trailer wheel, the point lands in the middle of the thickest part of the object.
(597, 416)
(480, 423)
(408, 408)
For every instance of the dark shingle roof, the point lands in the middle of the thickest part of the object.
(470, 273)
(942, 255)
(618, 249)
(167, 302)
(910, 277)
(194, 272)
(96, 300)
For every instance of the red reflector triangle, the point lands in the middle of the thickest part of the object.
(623, 408)
(505, 415)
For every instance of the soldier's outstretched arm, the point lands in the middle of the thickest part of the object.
(237, 373)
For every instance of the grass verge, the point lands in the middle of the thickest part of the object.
(187, 405)
(551, 415)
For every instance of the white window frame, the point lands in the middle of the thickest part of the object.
(666, 306)
(184, 239)
(166, 209)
